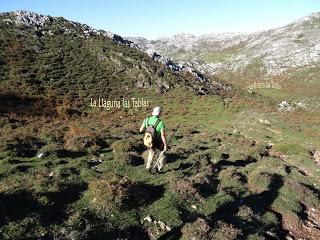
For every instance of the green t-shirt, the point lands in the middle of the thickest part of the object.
(152, 121)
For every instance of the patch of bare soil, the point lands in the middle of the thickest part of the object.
(307, 228)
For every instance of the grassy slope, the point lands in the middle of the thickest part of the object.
(71, 66)
(237, 182)
(218, 168)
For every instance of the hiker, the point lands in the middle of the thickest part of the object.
(155, 138)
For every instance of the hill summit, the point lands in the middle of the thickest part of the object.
(273, 51)
(55, 58)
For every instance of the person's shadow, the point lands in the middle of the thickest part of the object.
(259, 203)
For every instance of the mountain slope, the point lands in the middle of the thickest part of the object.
(55, 58)
(237, 167)
(275, 51)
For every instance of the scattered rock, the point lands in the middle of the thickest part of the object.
(316, 156)
(162, 225)
(42, 155)
(289, 106)
(309, 228)
(30, 19)
(158, 223)
(266, 122)
(94, 162)
(51, 174)
(148, 219)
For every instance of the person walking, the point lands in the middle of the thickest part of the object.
(155, 138)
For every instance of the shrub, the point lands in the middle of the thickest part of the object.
(259, 181)
(122, 146)
(232, 181)
(82, 139)
(246, 213)
(116, 194)
(186, 190)
(130, 158)
(226, 231)
(197, 230)
(27, 228)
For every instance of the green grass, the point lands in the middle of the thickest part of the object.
(217, 151)
(213, 202)
(204, 119)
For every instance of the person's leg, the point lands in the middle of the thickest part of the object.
(160, 157)
(162, 161)
(150, 158)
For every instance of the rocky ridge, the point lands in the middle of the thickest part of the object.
(277, 50)
(37, 21)
(40, 22)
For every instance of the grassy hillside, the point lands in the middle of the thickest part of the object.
(237, 168)
(60, 60)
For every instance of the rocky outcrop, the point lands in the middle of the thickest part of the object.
(117, 39)
(30, 19)
(176, 67)
(42, 25)
(40, 22)
(207, 87)
(289, 106)
(169, 63)
(307, 228)
(273, 52)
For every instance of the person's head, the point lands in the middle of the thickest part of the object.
(157, 111)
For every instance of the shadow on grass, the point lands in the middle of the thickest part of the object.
(100, 228)
(23, 203)
(21, 169)
(134, 233)
(172, 157)
(259, 203)
(237, 163)
(186, 217)
(56, 212)
(137, 160)
(70, 153)
(145, 194)
(312, 189)
(17, 205)
(23, 105)
(17, 161)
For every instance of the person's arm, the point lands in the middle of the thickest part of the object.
(142, 127)
(164, 139)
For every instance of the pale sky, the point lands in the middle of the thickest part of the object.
(163, 18)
